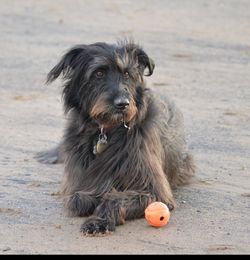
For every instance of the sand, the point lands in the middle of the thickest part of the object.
(202, 54)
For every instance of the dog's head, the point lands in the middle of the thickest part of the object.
(104, 81)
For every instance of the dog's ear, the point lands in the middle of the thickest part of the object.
(140, 55)
(145, 62)
(66, 65)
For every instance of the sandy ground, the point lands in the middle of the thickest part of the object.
(202, 55)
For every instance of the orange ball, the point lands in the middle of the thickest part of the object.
(157, 214)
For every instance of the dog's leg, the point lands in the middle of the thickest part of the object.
(114, 208)
(80, 204)
(51, 156)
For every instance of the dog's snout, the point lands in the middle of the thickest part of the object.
(121, 103)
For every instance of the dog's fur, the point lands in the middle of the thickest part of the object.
(145, 155)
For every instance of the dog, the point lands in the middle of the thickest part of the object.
(123, 147)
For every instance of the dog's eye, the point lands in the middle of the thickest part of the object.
(126, 75)
(99, 73)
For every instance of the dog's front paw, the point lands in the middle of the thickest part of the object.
(97, 226)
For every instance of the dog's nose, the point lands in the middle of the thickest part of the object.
(121, 103)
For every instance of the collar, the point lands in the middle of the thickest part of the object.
(102, 141)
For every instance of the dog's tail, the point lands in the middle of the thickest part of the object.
(52, 156)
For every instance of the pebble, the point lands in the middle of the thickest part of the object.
(6, 248)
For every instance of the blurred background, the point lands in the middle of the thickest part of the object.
(201, 50)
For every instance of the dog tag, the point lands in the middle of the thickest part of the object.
(101, 144)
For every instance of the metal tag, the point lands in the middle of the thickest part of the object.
(101, 144)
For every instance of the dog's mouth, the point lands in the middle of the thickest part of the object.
(110, 116)
(112, 119)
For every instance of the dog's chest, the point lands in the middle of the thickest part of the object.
(105, 139)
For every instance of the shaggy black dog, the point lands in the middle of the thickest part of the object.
(123, 147)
